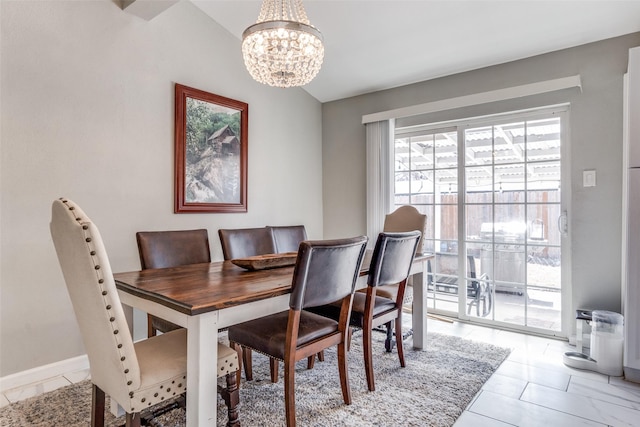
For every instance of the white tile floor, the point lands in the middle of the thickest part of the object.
(534, 388)
(531, 388)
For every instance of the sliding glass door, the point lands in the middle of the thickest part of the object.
(491, 190)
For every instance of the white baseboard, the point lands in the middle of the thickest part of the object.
(41, 373)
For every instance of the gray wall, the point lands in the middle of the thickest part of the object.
(595, 138)
(88, 113)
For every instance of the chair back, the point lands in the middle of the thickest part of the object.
(287, 238)
(245, 242)
(163, 249)
(392, 258)
(92, 289)
(326, 271)
(406, 218)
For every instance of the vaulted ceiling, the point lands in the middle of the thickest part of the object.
(372, 45)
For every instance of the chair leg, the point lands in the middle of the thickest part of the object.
(97, 406)
(311, 360)
(151, 331)
(399, 342)
(231, 396)
(289, 390)
(389, 342)
(368, 357)
(246, 361)
(133, 420)
(273, 369)
(344, 372)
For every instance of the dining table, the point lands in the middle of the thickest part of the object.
(208, 297)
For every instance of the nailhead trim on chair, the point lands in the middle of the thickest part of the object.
(228, 365)
(107, 301)
(141, 398)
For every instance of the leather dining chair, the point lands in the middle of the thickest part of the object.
(405, 218)
(242, 243)
(164, 249)
(325, 271)
(138, 376)
(246, 242)
(287, 238)
(390, 265)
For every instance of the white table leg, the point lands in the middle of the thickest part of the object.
(202, 379)
(420, 308)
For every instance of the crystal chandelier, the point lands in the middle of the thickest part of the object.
(282, 48)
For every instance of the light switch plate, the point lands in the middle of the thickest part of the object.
(589, 178)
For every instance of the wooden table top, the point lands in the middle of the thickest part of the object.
(199, 288)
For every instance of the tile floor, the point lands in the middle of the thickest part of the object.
(531, 388)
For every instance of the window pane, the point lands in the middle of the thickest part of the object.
(542, 220)
(508, 143)
(401, 183)
(447, 185)
(509, 225)
(422, 153)
(446, 150)
(421, 183)
(478, 143)
(476, 216)
(543, 176)
(509, 183)
(447, 227)
(479, 184)
(543, 139)
(401, 156)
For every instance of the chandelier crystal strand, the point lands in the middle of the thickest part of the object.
(282, 48)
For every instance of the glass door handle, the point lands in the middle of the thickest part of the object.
(563, 223)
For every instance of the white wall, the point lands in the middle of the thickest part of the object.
(595, 138)
(87, 113)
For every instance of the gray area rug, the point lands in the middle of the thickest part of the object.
(433, 390)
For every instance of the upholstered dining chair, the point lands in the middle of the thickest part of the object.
(405, 218)
(246, 242)
(287, 238)
(325, 271)
(242, 243)
(390, 265)
(163, 249)
(138, 376)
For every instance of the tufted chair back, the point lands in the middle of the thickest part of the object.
(136, 375)
(95, 300)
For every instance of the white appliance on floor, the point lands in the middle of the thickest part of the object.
(607, 339)
(631, 219)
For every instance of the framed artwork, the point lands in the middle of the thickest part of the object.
(210, 152)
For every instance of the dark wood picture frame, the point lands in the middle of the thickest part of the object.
(211, 146)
